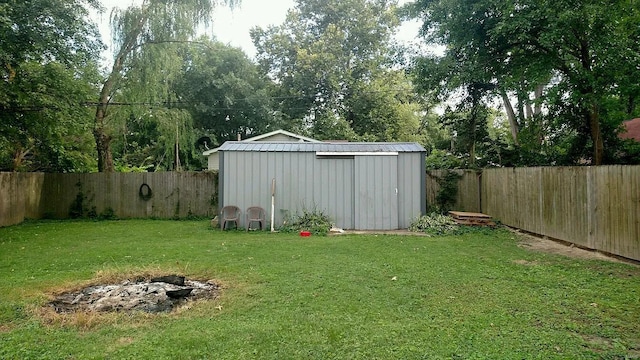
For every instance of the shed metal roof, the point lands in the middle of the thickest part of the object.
(351, 147)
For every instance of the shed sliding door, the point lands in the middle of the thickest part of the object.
(376, 192)
(331, 189)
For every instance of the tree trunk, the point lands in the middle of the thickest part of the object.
(103, 140)
(529, 110)
(537, 97)
(18, 157)
(596, 136)
(522, 118)
(472, 154)
(513, 122)
(103, 145)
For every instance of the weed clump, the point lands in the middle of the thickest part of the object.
(314, 221)
(435, 224)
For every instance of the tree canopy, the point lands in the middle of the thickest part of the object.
(225, 93)
(137, 30)
(48, 63)
(576, 58)
(520, 82)
(332, 63)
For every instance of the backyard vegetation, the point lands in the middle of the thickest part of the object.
(472, 295)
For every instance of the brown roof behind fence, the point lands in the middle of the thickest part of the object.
(632, 130)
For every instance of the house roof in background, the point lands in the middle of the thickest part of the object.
(281, 132)
(340, 147)
(632, 130)
(268, 135)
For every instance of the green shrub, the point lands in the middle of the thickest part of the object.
(448, 193)
(107, 214)
(78, 208)
(315, 221)
(435, 224)
(442, 159)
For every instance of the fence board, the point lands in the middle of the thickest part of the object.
(468, 198)
(594, 207)
(20, 197)
(38, 195)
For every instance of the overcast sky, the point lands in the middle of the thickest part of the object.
(232, 26)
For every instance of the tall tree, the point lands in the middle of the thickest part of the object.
(333, 64)
(47, 63)
(136, 28)
(46, 31)
(587, 50)
(147, 100)
(45, 124)
(225, 93)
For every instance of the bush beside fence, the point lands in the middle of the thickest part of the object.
(467, 196)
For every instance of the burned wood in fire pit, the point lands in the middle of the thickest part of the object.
(159, 294)
(170, 279)
(180, 293)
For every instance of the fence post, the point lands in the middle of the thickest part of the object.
(480, 191)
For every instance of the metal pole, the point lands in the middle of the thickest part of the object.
(273, 203)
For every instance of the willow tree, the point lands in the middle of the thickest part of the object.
(134, 30)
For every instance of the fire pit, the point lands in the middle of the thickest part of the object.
(154, 295)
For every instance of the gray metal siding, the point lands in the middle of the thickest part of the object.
(333, 187)
(366, 192)
(302, 182)
(411, 192)
(376, 193)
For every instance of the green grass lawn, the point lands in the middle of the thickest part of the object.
(472, 296)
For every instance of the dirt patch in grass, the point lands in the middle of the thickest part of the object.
(547, 245)
(125, 341)
(5, 328)
(601, 344)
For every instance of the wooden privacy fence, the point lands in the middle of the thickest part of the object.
(468, 195)
(127, 195)
(593, 207)
(20, 197)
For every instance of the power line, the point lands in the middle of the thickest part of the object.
(167, 104)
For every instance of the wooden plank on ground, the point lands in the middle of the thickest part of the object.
(468, 215)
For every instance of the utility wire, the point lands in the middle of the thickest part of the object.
(33, 108)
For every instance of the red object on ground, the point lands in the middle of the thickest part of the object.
(305, 233)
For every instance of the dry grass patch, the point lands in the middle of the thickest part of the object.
(526, 262)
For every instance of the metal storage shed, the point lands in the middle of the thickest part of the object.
(363, 186)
